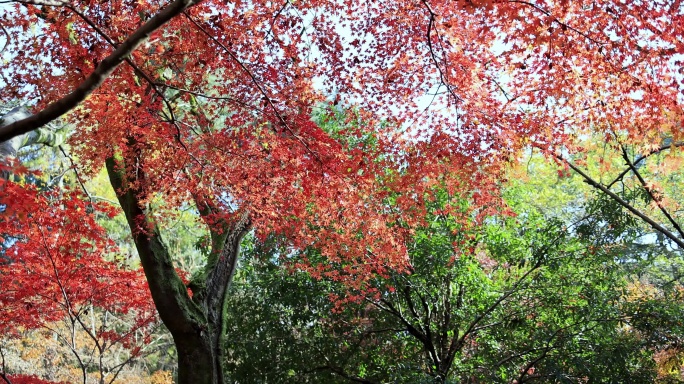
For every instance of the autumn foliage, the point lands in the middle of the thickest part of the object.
(220, 98)
(56, 264)
(59, 265)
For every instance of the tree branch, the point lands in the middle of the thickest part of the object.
(651, 193)
(178, 312)
(99, 75)
(643, 157)
(389, 308)
(49, 137)
(625, 204)
(443, 76)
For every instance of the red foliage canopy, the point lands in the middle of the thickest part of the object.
(217, 102)
(54, 267)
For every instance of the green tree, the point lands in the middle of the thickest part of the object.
(520, 298)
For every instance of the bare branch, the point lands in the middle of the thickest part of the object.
(443, 76)
(651, 193)
(7, 35)
(78, 175)
(643, 157)
(625, 204)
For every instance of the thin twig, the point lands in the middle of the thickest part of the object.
(78, 176)
(8, 38)
(442, 75)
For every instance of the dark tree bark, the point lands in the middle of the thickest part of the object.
(196, 323)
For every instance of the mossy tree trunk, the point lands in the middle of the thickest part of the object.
(196, 323)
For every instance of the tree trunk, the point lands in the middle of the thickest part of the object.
(196, 362)
(197, 323)
(9, 148)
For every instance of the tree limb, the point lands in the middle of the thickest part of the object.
(178, 312)
(49, 137)
(643, 157)
(99, 75)
(625, 204)
(651, 193)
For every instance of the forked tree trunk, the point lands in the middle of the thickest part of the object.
(197, 323)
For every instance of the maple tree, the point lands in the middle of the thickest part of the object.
(209, 104)
(55, 285)
(50, 275)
